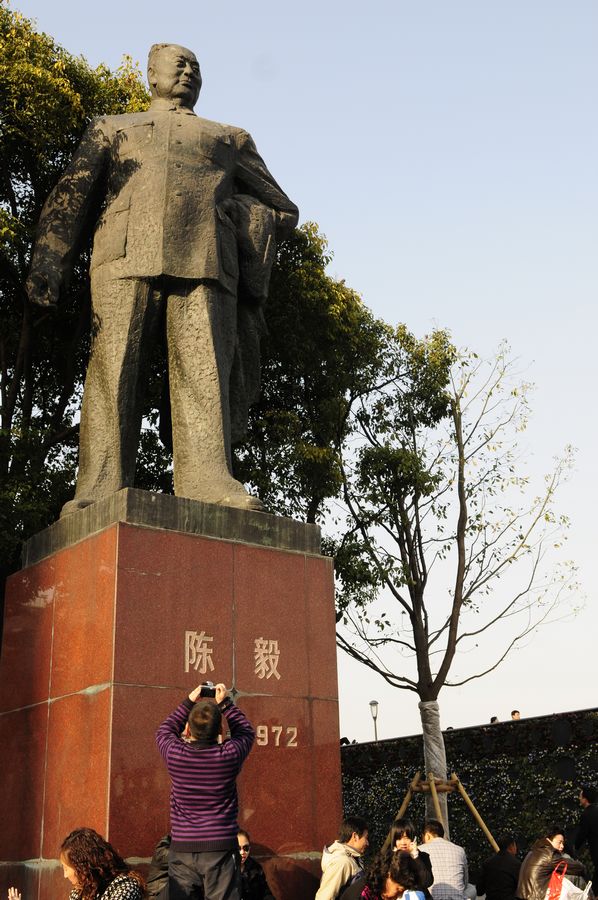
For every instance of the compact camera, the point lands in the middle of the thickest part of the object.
(208, 689)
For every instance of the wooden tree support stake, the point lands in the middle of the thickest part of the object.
(474, 812)
(437, 786)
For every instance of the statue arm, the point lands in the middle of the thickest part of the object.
(254, 178)
(66, 217)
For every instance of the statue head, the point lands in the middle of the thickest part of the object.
(173, 74)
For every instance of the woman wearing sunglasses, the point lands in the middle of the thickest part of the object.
(253, 881)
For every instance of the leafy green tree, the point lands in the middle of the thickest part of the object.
(443, 544)
(47, 98)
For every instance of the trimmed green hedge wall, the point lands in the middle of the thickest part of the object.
(521, 776)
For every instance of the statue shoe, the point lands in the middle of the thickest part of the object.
(242, 501)
(72, 506)
(228, 493)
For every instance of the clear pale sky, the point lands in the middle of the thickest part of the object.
(449, 152)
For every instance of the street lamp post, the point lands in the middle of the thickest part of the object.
(374, 712)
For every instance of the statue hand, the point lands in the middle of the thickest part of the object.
(43, 288)
(230, 208)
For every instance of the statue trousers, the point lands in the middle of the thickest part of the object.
(201, 322)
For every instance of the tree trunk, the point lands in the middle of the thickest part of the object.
(434, 756)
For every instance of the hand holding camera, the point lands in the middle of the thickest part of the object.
(208, 690)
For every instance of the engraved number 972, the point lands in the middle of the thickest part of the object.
(281, 736)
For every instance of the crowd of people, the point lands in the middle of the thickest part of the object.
(438, 869)
(206, 856)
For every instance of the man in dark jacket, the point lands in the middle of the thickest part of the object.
(540, 863)
(500, 873)
(588, 824)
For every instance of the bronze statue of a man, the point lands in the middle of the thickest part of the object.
(186, 215)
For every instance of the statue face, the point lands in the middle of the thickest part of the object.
(174, 75)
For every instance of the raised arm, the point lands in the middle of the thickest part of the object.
(241, 730)
(169, 731)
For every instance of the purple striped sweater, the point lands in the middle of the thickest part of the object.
(203, 796)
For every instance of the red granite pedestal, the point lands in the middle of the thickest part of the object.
(104, 637)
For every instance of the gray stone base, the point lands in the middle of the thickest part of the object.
(173, 514)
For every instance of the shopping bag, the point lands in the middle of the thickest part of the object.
(555, 885)
(570, 891)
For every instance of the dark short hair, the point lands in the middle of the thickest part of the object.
(553, 830)
(400, 867)
(505, 841)
(244, 833)
(349, 825)
(513, 711)
(433, 826)
(589, 792)
(493, 720)
(205, 720)
(402, 828)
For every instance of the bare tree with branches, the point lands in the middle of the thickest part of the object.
(442, 528)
